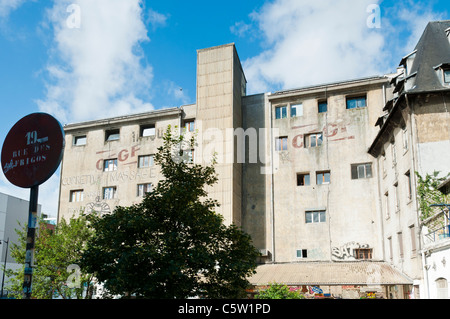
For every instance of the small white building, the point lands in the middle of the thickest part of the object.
(13, 215)
(436, 250)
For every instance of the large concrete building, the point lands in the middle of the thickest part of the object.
(303, 171)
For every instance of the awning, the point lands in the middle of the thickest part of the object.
(329, 273)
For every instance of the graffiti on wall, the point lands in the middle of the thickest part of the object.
(346, 251)
(98, 206)
(332, 131)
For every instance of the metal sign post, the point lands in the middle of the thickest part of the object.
(31, 234)
(31, 154)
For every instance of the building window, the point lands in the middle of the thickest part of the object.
(112, 135)
(110, 165)
(312, 217)
(147, 130)
(323, 106)
(447, 76)
(79, 140)
(394, 154)
(281, 112)
(391, 253)
(145, 161)
(405, 139)
(189, 125)
(76, 195)
(191, 156)
(441, 288)
(109, 192)
(408, 184)
(302, 253)
(323, 177)
(303, 179)
(313, 140)
(412, 231)
(386, 205)
(396, 198)
(400, 244)
(356, 102)
(361, 170)
(281, 143)
(142, 189)
(296, 110)
(383, 164)
(363, 253)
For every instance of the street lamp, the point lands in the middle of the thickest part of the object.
(4, 268)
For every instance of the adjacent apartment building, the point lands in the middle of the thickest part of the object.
(303, 171)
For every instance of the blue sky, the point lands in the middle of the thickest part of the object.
(87, 59)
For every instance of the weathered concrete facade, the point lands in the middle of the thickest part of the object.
(414, 136)
(306, 172)
(348, 206)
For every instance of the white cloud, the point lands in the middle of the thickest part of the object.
(415, 18)
(156, 19)
(309, 42)
(96, 65)
(7, 6)
(240, 28)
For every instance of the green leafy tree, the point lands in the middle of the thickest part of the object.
(428, 193)
(57, 252)
(279, 291)
(173, 244)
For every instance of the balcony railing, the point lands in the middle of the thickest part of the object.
(438, 234)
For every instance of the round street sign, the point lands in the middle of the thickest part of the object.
(32, 150)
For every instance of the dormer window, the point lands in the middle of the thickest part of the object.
(447, 76)
(443, 72)
(407, 62)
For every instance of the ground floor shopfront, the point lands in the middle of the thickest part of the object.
(341, 280)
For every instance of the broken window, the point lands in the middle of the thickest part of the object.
(79, 140)
(323, 177)
(147, 130)
(303, 179)
(313, 140)
(112, 135)
(296, 110)
(110, 165)
(281, 112)
(361, 170)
